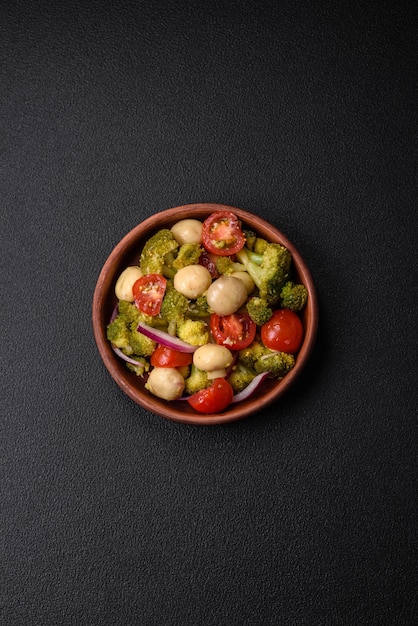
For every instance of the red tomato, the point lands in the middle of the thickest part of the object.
(213, 399)
(168, 357)
(222, 233)
(283, 332)
(234, 331)
(148, 292)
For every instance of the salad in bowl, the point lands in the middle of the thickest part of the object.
(204, 313)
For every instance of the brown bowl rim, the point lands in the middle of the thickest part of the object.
(177, 411)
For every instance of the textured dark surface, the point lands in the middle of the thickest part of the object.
(304, 113)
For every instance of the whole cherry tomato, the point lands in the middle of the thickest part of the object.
(168, 357)
(213, 399)
(283, 332)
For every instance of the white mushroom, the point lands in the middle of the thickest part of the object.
(213, 359)
(226, 295)
(192, 280)
(187, 231)
(166, 383)
(246, 279)
(125, 282)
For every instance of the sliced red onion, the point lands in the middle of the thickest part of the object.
(114, 313)
(249, 389)
(127, 358)
(160, 336)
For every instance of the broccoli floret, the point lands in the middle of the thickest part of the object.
(260, 245)
(258, 310)
(259, 358)
(129, 313)
(225, 265)
(250, 237)
(293, 296)
(188, 254)
(122, 333)
(194, 332)
(277, 363)
(199, 308)
(132, 316)
(240, 377)
(173, 308)
(118, 334)
(140, 369)
(140, 344)
(269, 270)
(202, 306)
(249, 355)
(197, 380)
(158, 254)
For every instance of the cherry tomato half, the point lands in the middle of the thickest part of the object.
(234, 331)
(222, 233)
(148, 292)
(283, 332)
(168, 357)
(213, 399)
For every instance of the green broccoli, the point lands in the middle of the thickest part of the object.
(140, 369)
(130, 313)
(199, 307)
(277, 363)
(188, 254)
(258, 310)
(132, 316)
(260, 245)
(240, 376)
(197, 380)
(261, 359)
(140, 344)
(225, 265)
(122, 333)
(293, 296)
(158, 254)
(194, 332)
(249, 355)
(269, 270)
(118, 333)
(250, 237)
(174, 307)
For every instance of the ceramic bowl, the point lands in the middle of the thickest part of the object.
(127, 252)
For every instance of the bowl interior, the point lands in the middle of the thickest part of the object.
(127, 252)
